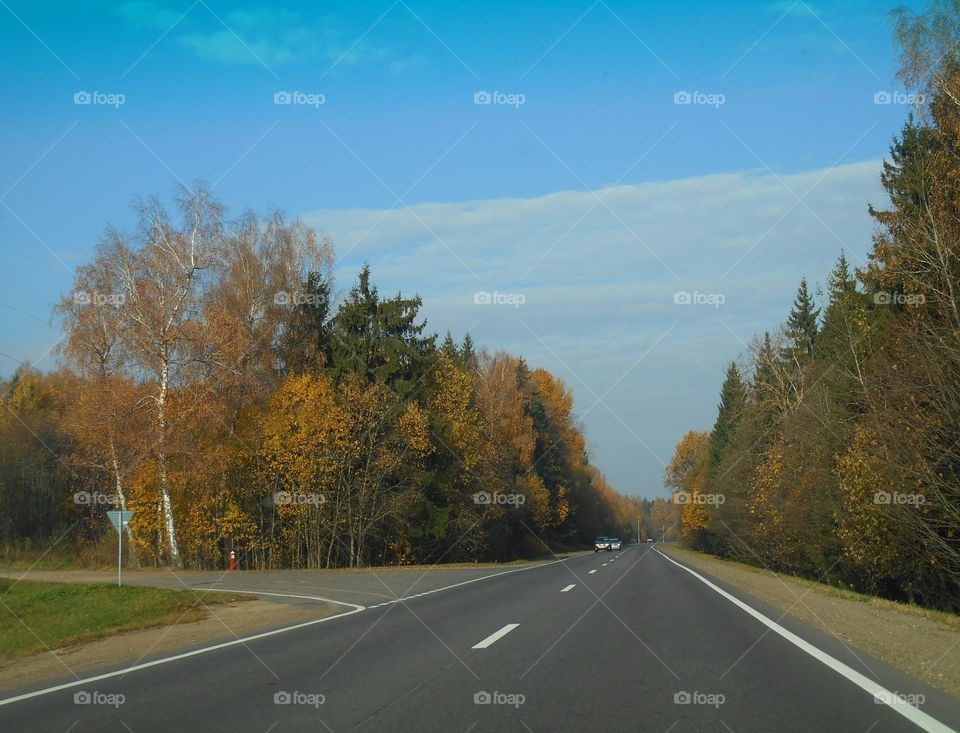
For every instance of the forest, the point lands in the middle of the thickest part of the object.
(835, 454)
(211, 382)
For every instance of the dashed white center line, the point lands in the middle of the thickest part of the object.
(591, 572)
(569, 587)
(495, 636)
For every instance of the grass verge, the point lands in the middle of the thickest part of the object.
(36, 617)
(946, 619)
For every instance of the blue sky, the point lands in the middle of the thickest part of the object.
(585, 187)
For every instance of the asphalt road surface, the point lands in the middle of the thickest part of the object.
(629, 641)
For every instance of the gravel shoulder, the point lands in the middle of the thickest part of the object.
(924, 644)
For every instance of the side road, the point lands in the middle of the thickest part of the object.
(921, 643)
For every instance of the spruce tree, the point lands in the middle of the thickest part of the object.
(802, 324)
(468, 353)
(732, 398)
(304, 343)
(380, 340)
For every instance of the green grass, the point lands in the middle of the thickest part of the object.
(945, 618)
(35, 616)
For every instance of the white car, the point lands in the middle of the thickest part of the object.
(615, 543)
(601, 543)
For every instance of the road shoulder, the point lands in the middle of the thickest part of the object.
(926, 647)
(223, 622)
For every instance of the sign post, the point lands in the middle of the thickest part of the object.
(119, 520)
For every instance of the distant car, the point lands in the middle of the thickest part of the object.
(601, 543)
(615, 543)
(649, 539)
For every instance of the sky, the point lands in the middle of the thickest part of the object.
(559, 178)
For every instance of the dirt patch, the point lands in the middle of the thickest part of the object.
(223, 622)
(913, 640)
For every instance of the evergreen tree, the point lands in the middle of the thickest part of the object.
(763, 369)
(305, 342)
(732, 400)
(802, 325)
(380, 340)
(449, 347)
(468, 354)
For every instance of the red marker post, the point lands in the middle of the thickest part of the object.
(233, 560)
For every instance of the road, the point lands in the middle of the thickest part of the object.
(628, 641)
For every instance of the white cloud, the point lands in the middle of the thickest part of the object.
(599, 284)
(268, 35)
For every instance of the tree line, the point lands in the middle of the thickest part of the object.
(836, 449)
(210, 382)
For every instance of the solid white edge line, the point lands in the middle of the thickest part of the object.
(569, 587)
(878, 691)
(356, 609)
(496, 635)
(185, 655)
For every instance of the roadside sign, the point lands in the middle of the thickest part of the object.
(119, 520)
